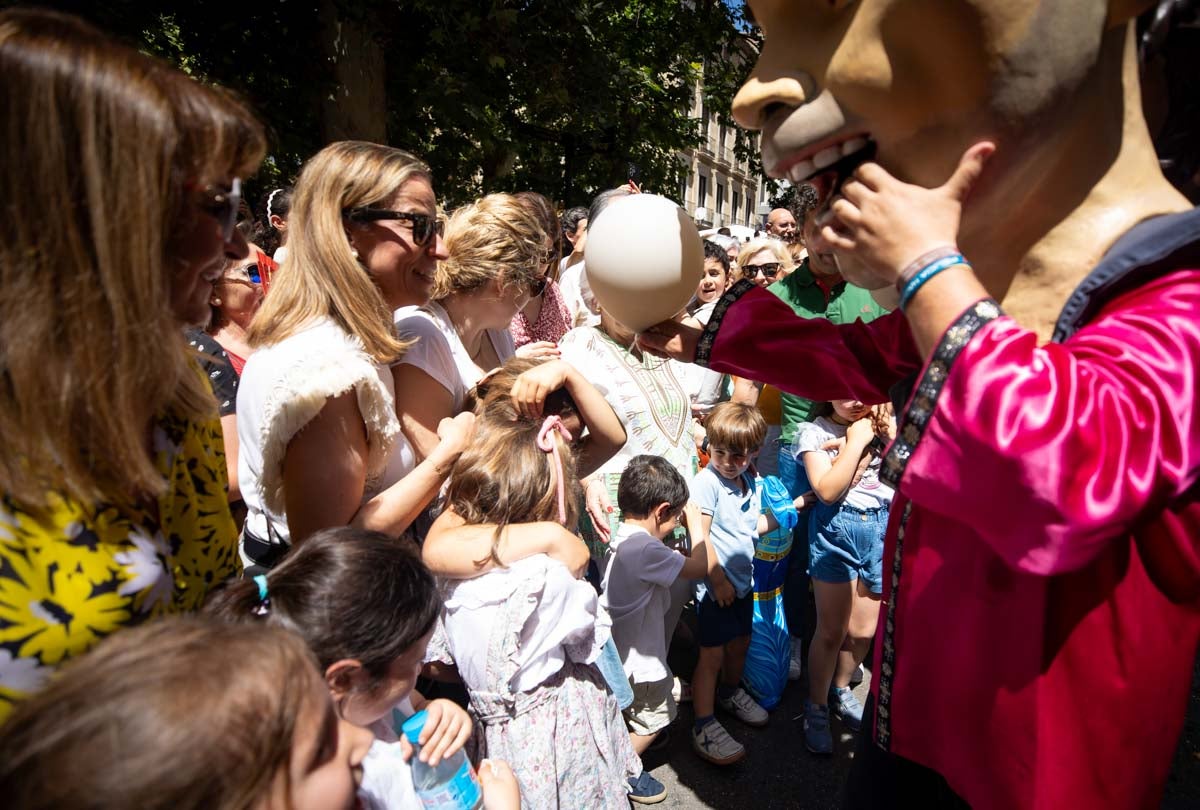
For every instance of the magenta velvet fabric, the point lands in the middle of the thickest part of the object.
(1036, 642)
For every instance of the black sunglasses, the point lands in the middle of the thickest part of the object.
(770, 269)
(423, 225)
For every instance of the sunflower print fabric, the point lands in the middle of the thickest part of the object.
(75, 573)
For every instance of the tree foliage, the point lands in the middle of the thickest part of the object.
(562, 97)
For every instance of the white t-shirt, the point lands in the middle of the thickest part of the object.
(282, 388)
(869, 492)
(637, 595)
(440, 352)
(387, 782)
(570, 285)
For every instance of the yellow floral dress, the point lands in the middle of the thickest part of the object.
(77, 572)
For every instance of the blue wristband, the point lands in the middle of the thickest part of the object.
(925, 273)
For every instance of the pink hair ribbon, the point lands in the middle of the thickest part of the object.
(546, 443)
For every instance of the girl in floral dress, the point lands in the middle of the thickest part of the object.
(525, 636)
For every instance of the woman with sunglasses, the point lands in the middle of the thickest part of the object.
(497, 256)
(320, 441)
(542, 322)
(236, 297)
(112, 479)
(764, 261)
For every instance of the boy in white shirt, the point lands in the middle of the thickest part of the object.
(652, 496)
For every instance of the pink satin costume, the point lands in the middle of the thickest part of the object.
(1042, 561)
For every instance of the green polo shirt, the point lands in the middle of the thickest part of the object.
(845, 303)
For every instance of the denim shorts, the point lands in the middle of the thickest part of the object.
(845, 543)
(720, 625)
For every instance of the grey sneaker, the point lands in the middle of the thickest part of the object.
(816, 729)
(795, 663)
(744, 708)
(846, 706)
(712, 742)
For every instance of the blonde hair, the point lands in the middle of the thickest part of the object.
(735, 426)
(497, 237)
(323, 279)
(102, 147)
(177, 714)
(505, 478)
(751, 249)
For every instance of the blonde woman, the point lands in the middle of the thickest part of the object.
(112, 479)
(497, 261)
(764, 261)
(320, 442)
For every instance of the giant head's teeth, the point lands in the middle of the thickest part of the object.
(853, 145)
(800, 172)
(827, 157)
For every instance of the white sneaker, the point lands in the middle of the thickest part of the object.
(856, 677)
(796, 662)
(744, 708)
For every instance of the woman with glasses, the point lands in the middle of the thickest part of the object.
(320, 441)
(235, 299)
(542, 322)
(112, 479)
(495, 261)
(764, 261)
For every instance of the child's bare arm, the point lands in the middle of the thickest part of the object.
(456, 550)
(695, 566)
(832, 479)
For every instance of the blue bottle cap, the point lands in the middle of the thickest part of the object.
(413, 725)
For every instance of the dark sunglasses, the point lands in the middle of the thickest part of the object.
(423, 225)
(770, 269)
(222, 204)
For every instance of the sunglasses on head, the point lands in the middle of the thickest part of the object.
(424, 226)
(223, 204)
(770, 269)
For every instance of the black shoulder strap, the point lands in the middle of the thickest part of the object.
(1150, 249)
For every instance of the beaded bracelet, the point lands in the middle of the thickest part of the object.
(927, 272)
(921, 262)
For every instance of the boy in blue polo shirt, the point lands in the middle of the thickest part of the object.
(732, 519)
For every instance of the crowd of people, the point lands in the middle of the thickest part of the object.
(280, 479)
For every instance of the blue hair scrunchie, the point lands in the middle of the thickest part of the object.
(261, 581)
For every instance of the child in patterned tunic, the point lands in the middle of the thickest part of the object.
(525, 636)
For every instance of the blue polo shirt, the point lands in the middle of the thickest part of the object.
(735, 507)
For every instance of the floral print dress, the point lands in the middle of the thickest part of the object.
(73, 573)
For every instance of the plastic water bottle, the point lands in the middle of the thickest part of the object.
(452, 785)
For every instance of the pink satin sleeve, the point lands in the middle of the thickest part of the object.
(761, 338)
(1051, 451)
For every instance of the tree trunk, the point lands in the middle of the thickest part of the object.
(356, 106)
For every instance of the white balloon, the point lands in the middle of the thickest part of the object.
(644, 259)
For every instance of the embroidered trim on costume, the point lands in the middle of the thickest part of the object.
(920, 409)
(709, 335)
(883, 707)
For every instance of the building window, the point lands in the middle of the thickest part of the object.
(720, 197)
(704, 124)
(737, 204)
(702, 192)
(684, 183)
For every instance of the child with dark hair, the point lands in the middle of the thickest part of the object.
(733, 518)
(366, 605)
(653, 497)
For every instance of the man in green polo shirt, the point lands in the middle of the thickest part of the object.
(814, 290)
